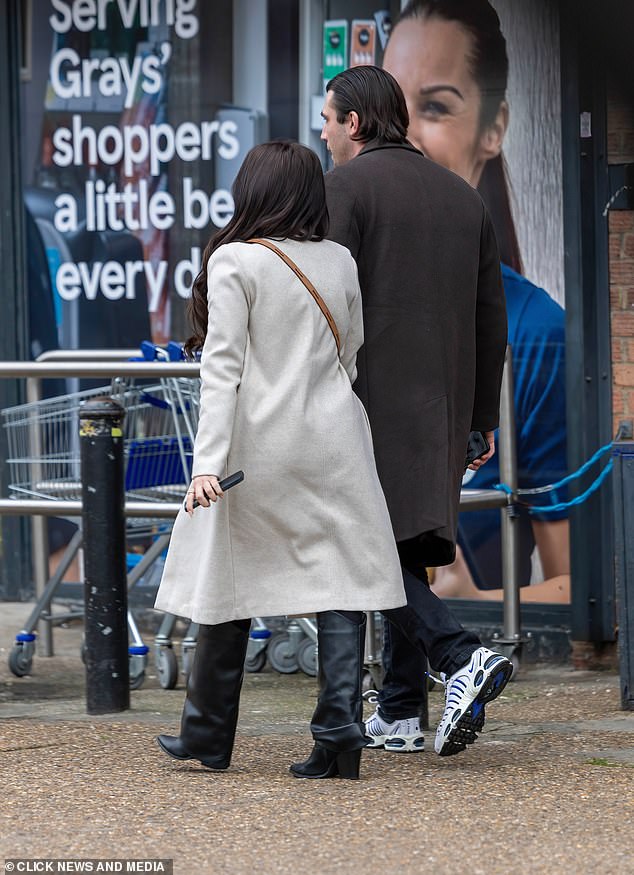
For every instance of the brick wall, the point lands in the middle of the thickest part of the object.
(621, 236)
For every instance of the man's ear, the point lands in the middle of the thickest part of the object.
(492, 137)
(352, 123)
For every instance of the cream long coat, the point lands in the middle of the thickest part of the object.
(308, 528)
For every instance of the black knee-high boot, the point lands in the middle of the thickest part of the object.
(210, 713)
(337, 724)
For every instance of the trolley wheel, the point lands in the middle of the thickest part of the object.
(280, 655)
(137, 681)
(307, 657)
(255, 663)
(368, 686)
(20, 662)
(434, 686)
(167, 667)
(188, 658)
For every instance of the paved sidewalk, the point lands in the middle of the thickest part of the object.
(548, 788)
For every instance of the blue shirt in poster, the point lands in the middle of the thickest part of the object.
(536, 333)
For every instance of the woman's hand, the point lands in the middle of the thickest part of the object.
(203, 488)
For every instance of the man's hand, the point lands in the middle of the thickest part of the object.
(204, 488)
(478, 463)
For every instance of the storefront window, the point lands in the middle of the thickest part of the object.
(131, 147)
(503, 135)
(136, 116)
(501, 131)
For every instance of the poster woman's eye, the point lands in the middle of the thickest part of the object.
(433, 109)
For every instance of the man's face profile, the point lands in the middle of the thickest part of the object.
(337, 135)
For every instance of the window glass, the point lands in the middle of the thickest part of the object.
(499, 128)
(130, 150)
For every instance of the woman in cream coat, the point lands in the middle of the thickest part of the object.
(308, 529)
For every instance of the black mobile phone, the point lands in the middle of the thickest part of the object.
(227, 483)
(477, 446)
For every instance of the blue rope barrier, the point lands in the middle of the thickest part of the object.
(564, 505)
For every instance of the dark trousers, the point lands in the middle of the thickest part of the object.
(422, 631)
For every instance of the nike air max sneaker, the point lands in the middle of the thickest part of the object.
(401, 736)
(466, 693)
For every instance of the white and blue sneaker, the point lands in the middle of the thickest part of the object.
(401, 736)
(466, 693)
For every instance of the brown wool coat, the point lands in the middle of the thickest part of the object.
(435, 328)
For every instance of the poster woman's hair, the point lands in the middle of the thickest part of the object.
(489, 67)
(278, 192)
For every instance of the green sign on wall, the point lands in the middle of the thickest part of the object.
(335, 58)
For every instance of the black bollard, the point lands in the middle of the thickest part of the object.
(105, 586)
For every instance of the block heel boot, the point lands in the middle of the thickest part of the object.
(337, 726)
(210, 712)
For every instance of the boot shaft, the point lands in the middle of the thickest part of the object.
(210, 712)
(337, 723)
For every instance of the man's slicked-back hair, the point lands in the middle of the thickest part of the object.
(376, 97)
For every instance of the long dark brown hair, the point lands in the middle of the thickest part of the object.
(278, 192)
(490, 66)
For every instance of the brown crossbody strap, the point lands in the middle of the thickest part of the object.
(304, 279)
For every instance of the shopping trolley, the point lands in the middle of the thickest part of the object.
(44, 462)
(289, 644)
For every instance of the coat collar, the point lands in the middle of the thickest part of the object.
(375, 145)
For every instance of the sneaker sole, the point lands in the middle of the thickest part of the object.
(404, 743)
(376, 741)
(397, 743)
(465, 730)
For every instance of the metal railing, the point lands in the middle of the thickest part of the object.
(74, 364)
(78, 364)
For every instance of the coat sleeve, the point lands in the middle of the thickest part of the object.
(354, 338)
(491, 332)
(222, 361)
(344, 212)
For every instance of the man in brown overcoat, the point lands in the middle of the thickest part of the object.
(429, 373)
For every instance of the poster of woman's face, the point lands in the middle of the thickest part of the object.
(500, 96)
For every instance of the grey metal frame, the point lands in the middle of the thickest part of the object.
(14, 322)
(76, 363)
(510, 641)
(624, 532)
(588, 355)
(73, 364)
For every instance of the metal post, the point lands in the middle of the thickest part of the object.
(509, 519)
(311, 18)
(105, 587)
(623, 455)
(39, 526)
(586, 191)
(372, 650)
